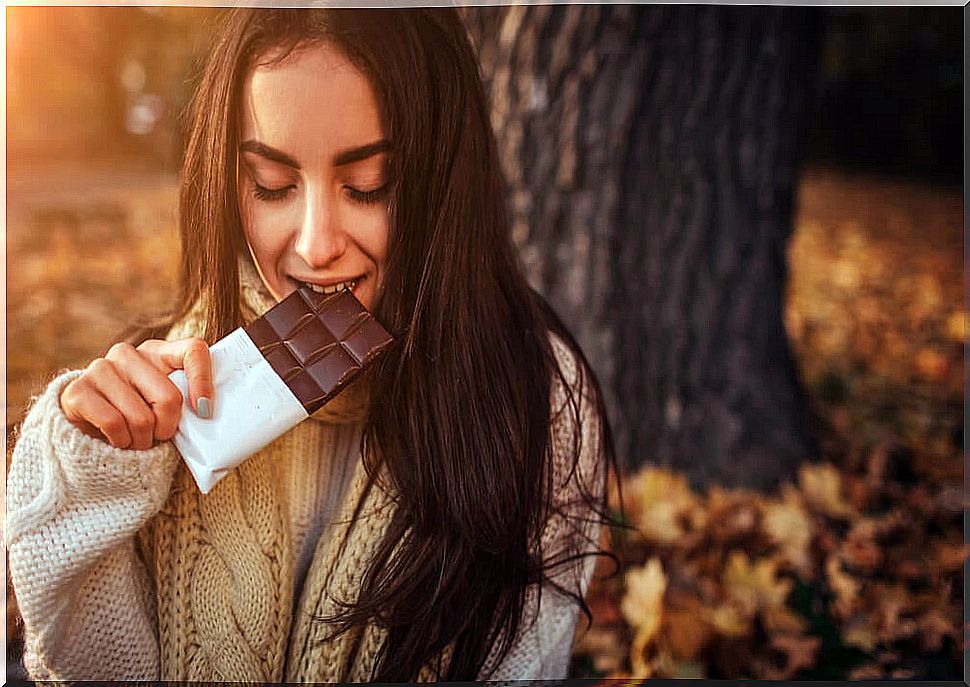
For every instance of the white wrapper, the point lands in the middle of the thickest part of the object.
(252, 407)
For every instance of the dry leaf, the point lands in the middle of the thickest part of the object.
(893, 604)
(933, 626)
(869, 671)
(860, 634)
(757, 588)
(789, 526)
(860, 549)
(949, 558)
(844, 586)
(731, 513)
(798, 652)
(956, 326)
(642, 605)
(821, 485)
(727, 620)
(667, 508)
(685, 632)
(932, 364)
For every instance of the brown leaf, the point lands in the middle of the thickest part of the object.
(933, 626)
(949, 558)
(860, 550)
(685, 632)
(869, 671)
(932, 364)
(731, 514)
(893, 605)
(797, 652)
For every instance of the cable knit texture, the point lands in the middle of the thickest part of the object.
(124, 570)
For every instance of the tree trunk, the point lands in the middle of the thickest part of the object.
(651, 154)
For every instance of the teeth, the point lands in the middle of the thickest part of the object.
(332, 289)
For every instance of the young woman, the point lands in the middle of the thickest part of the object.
(437, 520)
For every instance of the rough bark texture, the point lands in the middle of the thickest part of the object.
(651, 154)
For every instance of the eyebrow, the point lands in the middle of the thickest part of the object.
(344, 157)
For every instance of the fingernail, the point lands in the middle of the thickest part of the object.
(204, 408)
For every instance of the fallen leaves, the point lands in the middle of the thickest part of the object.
(718, 601)
(822, 487)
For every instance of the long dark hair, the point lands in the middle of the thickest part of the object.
(460, 414)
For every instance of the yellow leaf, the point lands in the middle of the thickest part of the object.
(788, 525)
(845, 587)
(757, 589)
(727, 620)
(667, 507)
(859, 634)
(956, 326)
(821, 485)
(642, 605)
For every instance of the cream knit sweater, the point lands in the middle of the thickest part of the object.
(124, 571)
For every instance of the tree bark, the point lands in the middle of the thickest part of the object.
(651, 154)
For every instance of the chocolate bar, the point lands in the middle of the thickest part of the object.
(272, 374)
(318, 343)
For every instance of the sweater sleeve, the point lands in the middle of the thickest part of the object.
(74, 506)
(543, 646)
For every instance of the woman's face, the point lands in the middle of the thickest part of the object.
(312, 180)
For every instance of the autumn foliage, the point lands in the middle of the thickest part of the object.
(855, 571)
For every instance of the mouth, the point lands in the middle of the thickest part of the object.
(331, 288)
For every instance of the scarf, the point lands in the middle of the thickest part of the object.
(223, 570)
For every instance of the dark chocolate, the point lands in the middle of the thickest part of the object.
(318, 343)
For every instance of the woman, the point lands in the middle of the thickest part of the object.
(437, 520)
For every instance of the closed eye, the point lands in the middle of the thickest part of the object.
(367, 197)
(271, 194)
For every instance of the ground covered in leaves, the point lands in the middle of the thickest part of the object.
(855, 571)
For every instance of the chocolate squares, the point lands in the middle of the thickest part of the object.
(318, 343)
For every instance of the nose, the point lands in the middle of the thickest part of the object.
(320, 239)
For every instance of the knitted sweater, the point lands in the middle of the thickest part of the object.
(123, 570)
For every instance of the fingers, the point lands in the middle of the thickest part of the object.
(159, 392)
(192, 356)
(127, 399)
(84, 406)
(103, 400)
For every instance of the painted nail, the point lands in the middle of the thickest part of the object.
(204, 408)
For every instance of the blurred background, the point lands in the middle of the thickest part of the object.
(836, 551)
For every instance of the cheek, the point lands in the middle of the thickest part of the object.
(375, 235)
(262, 234)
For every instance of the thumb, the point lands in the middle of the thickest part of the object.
(192, 355)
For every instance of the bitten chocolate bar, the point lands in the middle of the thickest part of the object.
(317, 343)
(274, 373)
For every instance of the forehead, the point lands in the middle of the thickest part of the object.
(312, 97)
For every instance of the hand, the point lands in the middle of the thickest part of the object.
(127, 399)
